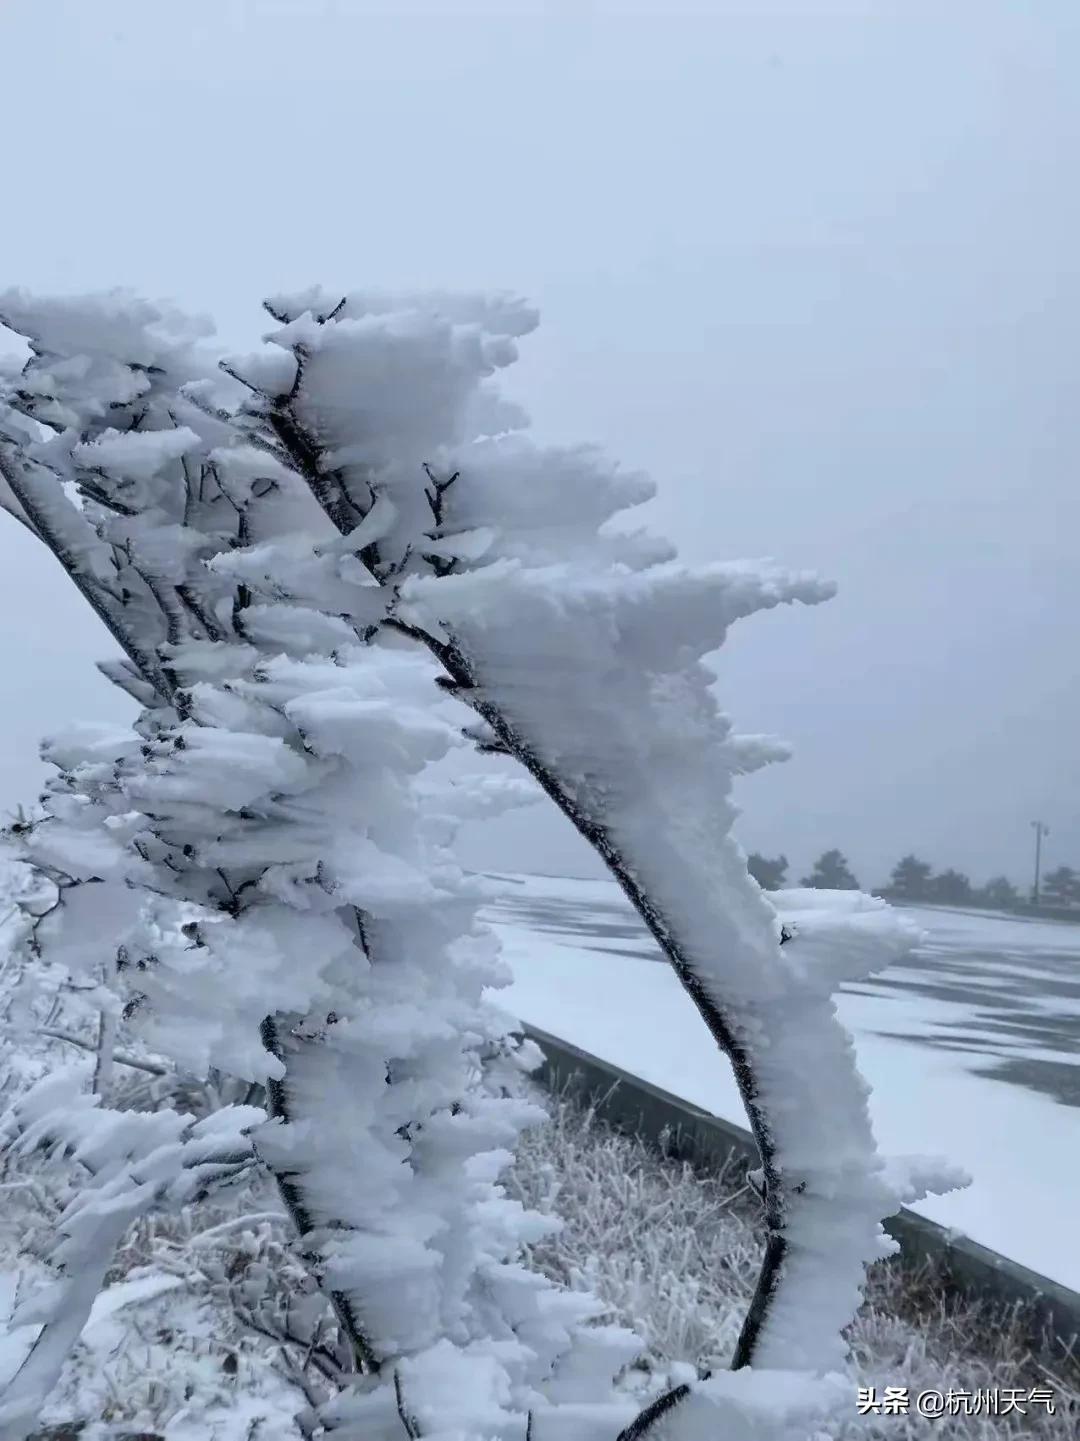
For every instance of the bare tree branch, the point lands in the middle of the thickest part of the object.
(408, 1421)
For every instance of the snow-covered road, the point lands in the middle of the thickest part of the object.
(972, 1045)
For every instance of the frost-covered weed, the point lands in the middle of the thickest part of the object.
(675, 1252)
(670, 1250)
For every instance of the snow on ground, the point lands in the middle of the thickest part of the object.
(192, 1339)
(175, 1347)
(163, 1353)
(972, 1046)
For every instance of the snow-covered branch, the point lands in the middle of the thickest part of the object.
(579, 648)
(292, 553)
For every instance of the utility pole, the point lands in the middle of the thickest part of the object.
(1040, 831)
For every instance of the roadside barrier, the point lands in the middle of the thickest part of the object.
(1051, 1312)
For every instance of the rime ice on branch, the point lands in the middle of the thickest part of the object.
(579, 647)
(288, 562)
(254, 868)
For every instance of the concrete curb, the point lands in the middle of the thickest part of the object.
(684, 1130)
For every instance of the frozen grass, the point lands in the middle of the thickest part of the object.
(210, 1333)
(188, 1345)
(675, 1254)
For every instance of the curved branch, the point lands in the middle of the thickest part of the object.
(461, 681)
(643, 1423)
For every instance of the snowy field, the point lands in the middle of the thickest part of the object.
(972, 1046)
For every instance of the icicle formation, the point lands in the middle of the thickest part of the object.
(579, 649)
(254, 863)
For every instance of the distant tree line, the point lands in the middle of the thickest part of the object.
(831, 872)
(914, 880)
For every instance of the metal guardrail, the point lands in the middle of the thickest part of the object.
(1050, 1311)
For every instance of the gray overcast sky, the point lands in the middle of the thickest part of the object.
(815, 266)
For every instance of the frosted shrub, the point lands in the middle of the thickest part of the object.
(260, 866)
(292, 553)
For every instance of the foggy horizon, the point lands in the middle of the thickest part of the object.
(813, 267)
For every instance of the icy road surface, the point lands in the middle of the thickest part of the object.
(972, 1046)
